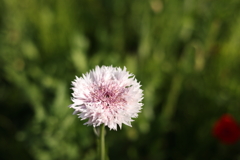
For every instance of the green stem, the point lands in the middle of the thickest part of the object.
(102, 142)
(170, 106)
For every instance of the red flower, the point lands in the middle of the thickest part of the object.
(226, 129)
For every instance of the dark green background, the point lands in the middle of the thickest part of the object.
(185, 53)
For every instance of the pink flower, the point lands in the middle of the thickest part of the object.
(107, 95)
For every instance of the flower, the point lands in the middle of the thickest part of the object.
(226, 129)
(107, 95)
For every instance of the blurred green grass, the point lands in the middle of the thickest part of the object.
(185, 53)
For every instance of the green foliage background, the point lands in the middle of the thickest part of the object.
(185, 53)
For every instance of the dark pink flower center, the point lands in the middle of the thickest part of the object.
(109, 95)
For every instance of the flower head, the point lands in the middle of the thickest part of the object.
(226, 129)
(107, 95)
